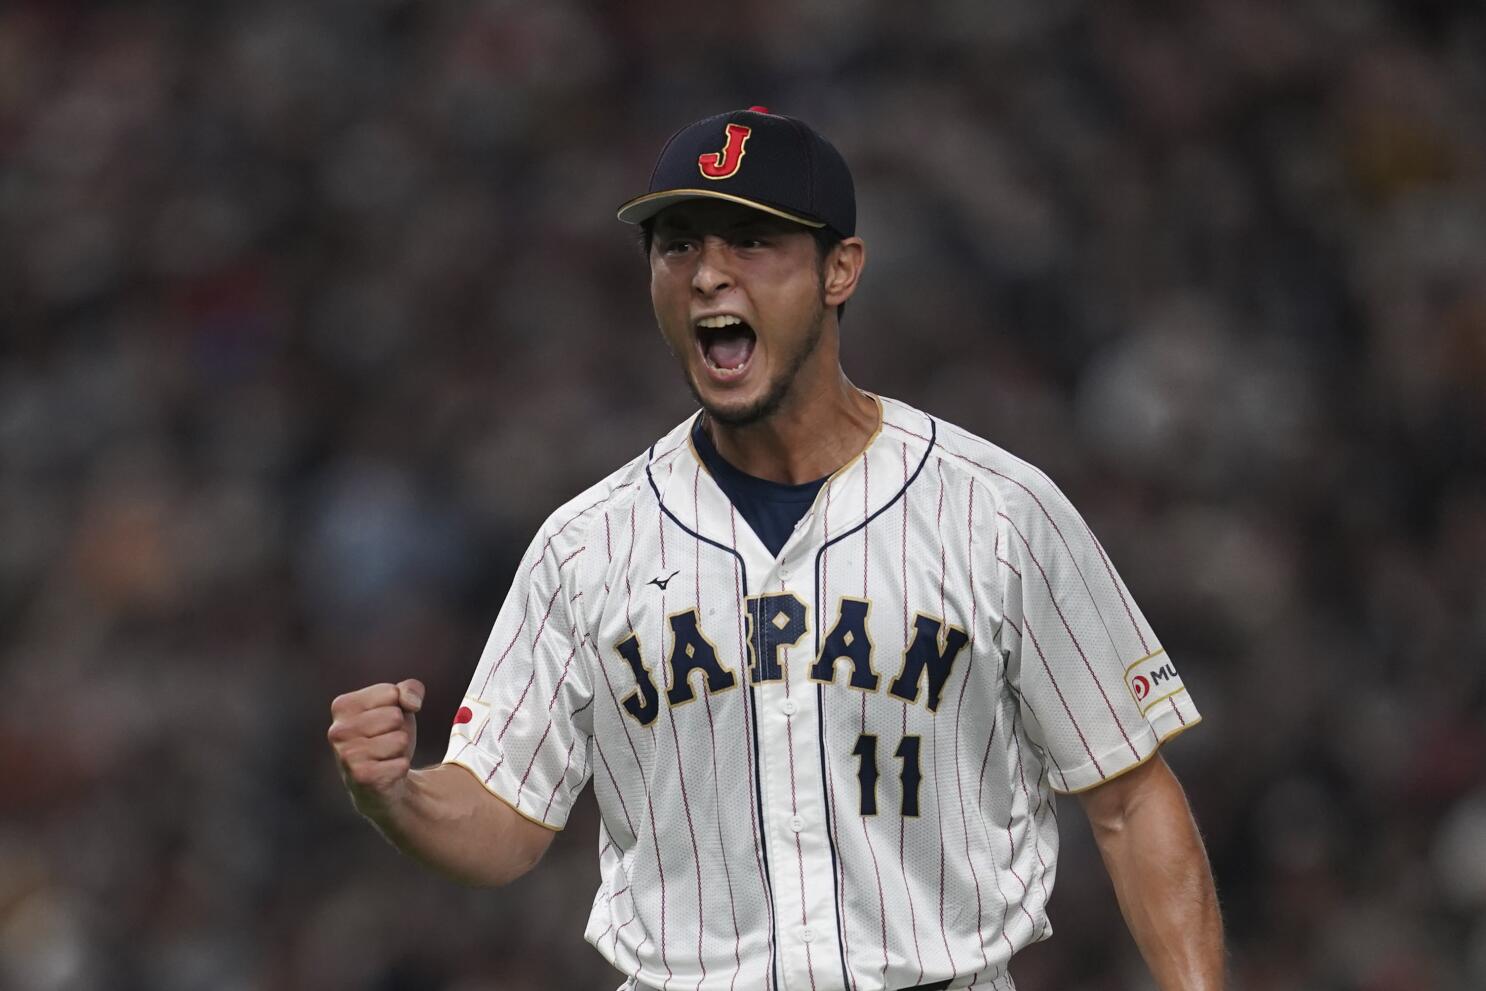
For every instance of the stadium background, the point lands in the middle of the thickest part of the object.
(312, 311)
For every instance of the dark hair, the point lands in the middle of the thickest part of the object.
(825, 239)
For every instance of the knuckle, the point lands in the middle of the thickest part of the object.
(363, 699)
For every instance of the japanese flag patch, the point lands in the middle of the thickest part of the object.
(470, 717)
(1152, 680)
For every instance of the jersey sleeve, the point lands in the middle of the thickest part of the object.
(1096, 689)
(523, 727)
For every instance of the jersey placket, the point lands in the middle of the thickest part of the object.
(802, 873)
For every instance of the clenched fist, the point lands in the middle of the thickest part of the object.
(373, 732)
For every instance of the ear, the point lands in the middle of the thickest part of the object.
(842, 269)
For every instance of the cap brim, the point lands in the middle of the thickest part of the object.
(642, 208)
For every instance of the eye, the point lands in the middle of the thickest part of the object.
(676, 245)
(750, 241)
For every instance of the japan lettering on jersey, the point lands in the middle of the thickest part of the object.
(833, 769)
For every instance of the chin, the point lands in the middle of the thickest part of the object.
(742, 411)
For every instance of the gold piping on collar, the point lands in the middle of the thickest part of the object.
(692, 444)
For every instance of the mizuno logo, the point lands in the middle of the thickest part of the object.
(662, 583)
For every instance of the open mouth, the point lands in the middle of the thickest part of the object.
(727, 344)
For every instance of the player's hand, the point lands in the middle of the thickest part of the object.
(373, 732)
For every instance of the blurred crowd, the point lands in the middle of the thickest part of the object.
(311, 312)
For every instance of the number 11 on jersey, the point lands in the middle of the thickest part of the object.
(910, 777)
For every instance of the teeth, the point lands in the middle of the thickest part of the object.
(716, 323)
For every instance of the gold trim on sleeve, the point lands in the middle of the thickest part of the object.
(459, 763)
(1126, 770)
(1155, 653)
(1163, 698)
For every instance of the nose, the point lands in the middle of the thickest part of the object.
(712, 274)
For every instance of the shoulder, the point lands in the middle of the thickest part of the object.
(580, 519)
(1016, 486)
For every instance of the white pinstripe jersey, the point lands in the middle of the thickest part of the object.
(834, 768)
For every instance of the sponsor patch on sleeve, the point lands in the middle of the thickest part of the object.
(470, 716)
(1153, 680)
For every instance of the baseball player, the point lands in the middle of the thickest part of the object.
(824, 657)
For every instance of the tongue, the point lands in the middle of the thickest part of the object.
(730, 350)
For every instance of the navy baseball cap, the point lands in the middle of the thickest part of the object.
(764, 160)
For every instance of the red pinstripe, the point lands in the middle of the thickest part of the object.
(622, 719)
(1052, 595)
(1046, 753)
(934, 738)
(567, 665)
(535, 641)
(536, 751)
(649, 803)
(1115, 581)
(555, 534)
(696, 512)
(903, 821)
(672, 449)
(753, 812)
(610, 772)
(825, 586)
(985, 761)
(614, 697)
(867, 833)
(1027, 629)
(1036, 810)
(1011, 849)
(533, 762)
(794, 809)
(567, 762)
(985, 827)
(696, 850)
(1011, 840)
(959, 708)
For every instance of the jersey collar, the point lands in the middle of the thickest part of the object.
(855, 493)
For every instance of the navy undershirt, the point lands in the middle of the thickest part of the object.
(771, 508)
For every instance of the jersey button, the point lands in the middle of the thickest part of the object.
(807, 934)
(788, 706)
(796, 823)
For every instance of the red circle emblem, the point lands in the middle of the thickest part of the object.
(464, 715)
(1142, 687)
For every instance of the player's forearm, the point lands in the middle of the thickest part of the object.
(1154, 855)
(446, 820)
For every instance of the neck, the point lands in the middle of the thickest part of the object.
(821, 429)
